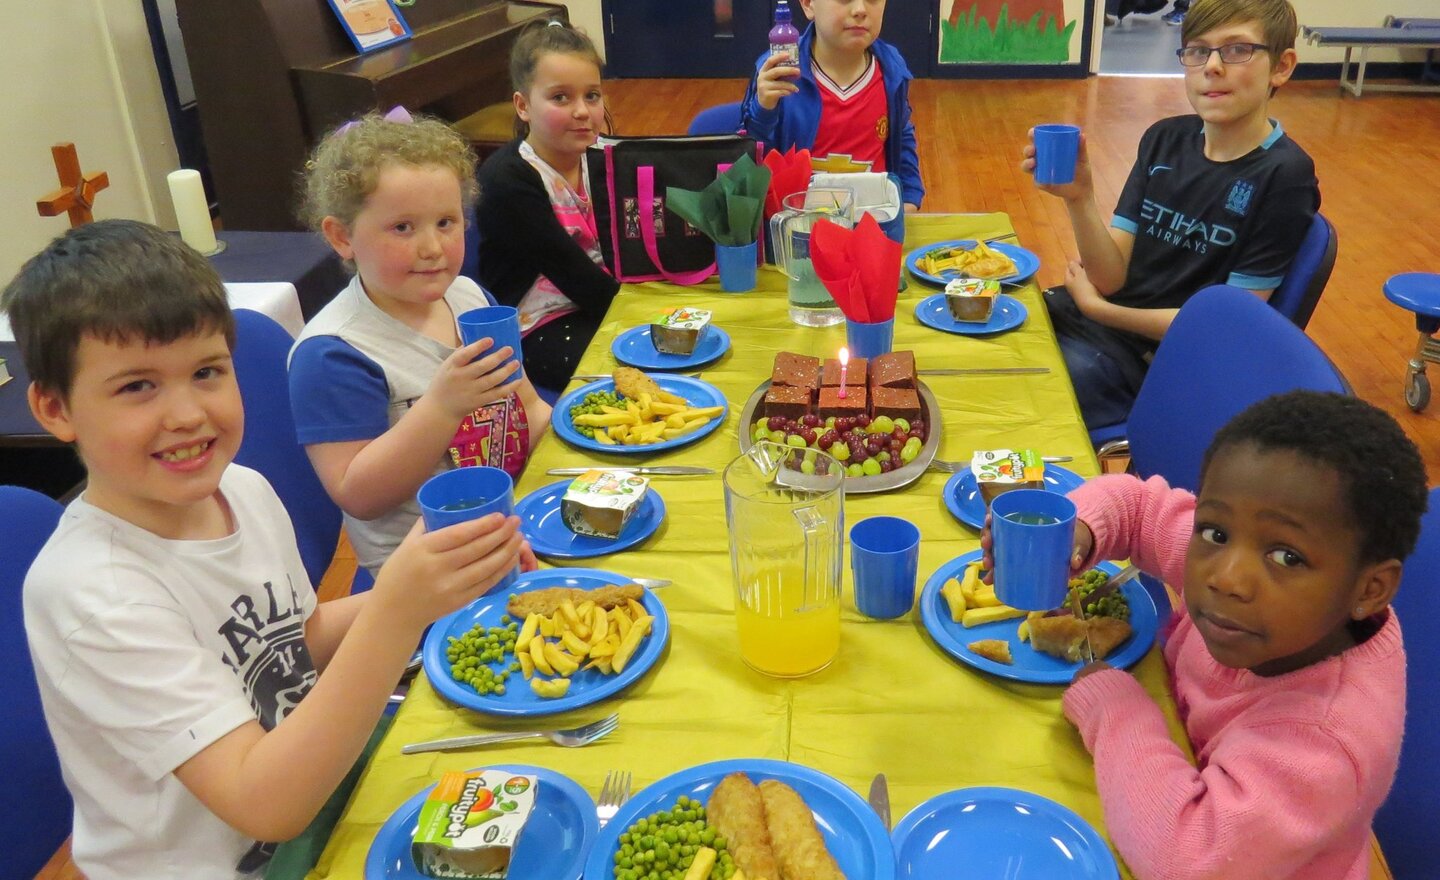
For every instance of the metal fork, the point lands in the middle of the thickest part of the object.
(613, 795)
(575, 736)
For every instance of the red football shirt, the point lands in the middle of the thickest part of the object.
(854, 122)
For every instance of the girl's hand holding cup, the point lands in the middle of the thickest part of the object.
(775, 80)
(1084, 543)
(467, 381)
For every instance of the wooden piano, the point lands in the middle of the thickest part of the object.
(272, 76)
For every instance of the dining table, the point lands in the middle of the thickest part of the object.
(891, 701)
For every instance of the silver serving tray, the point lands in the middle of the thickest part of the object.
(896, 479)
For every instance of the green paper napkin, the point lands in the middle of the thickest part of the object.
(728, 210)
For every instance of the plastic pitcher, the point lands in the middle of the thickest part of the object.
(787, 534)
(810, 303)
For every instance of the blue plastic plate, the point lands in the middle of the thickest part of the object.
(586, 687)
(698, 393)
(557, 835)
(1025, 261)
(962, 493)
(548, 535)
(634, 347)
(933, 311)
(852, 831)
(984, 833)
(1030, 665)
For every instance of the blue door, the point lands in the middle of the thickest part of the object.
(684, 38)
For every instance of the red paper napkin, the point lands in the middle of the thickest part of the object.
(789, 173)
(860, 268)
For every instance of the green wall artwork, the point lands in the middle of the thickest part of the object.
(1009, 32)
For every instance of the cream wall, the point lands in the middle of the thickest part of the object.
(585, 14)
(80, 71)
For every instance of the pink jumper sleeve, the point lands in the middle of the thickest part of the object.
(1269, 800)
(1146, 522)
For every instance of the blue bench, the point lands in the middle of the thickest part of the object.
(1394, 33)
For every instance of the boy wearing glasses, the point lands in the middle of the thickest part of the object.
(1219, 197)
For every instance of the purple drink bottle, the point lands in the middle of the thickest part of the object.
(784, 38)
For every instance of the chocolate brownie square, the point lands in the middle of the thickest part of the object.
(895, 369)
(796, 370)
(786, 401)
(832, 404)
(897, 403)
(854, 373)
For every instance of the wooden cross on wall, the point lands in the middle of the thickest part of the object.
(77, 191)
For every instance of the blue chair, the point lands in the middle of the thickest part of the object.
(1295, 298)
(35, 806)
(720, 119)
(1298, 294)
(1225, 350)
(1418, 292)
(261, 350)
(1405, 824)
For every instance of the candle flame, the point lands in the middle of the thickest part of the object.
(844, 355)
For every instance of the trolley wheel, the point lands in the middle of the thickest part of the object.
(1417, 391)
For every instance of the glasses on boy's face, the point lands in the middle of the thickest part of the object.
(1230, 53)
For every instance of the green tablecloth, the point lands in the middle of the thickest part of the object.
(891, 702)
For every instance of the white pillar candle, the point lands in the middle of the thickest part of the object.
(192, 210)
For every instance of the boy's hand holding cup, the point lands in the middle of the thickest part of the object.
(435, 573)
(1056, 156)
(775, 80)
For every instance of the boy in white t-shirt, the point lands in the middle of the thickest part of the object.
(171, 622)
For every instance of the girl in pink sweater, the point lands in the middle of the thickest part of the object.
(1285, 662)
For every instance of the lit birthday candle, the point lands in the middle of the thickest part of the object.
(844, 365)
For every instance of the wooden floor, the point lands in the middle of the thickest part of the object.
(1378, 160)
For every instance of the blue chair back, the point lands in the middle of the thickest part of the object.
(1298, 294)
(1225, 350)
(35, 806)
(720, 119)
(470, 266)
(1406, 821)
(261, 351)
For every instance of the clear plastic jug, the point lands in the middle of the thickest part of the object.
(810, 303)
(785, 508)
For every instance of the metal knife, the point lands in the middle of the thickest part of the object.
(880, 799)
(1128, 573)
(979, 371)
(661, 470)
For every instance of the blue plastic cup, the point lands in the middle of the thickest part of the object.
(869, 340)
(1034, 534)
(1057, 147)
(467, 493)
(737, 266)
(884, 556)
(501, 324)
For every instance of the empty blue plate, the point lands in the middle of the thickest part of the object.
(557, 835)
(548, 535)
(962, 493)
(634, 347)
(934, 311)
(985, 833)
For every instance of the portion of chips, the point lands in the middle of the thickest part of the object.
(980, 261)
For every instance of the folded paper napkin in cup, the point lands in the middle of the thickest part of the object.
(789, 173)
(860, 268)
(875, 193)
(728, 209)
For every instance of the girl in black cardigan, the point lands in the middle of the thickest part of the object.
(538, 244)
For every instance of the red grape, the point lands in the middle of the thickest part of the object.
(828, 439)
(810, 420)
(808, 435)
(776, 423)
(862, 421)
